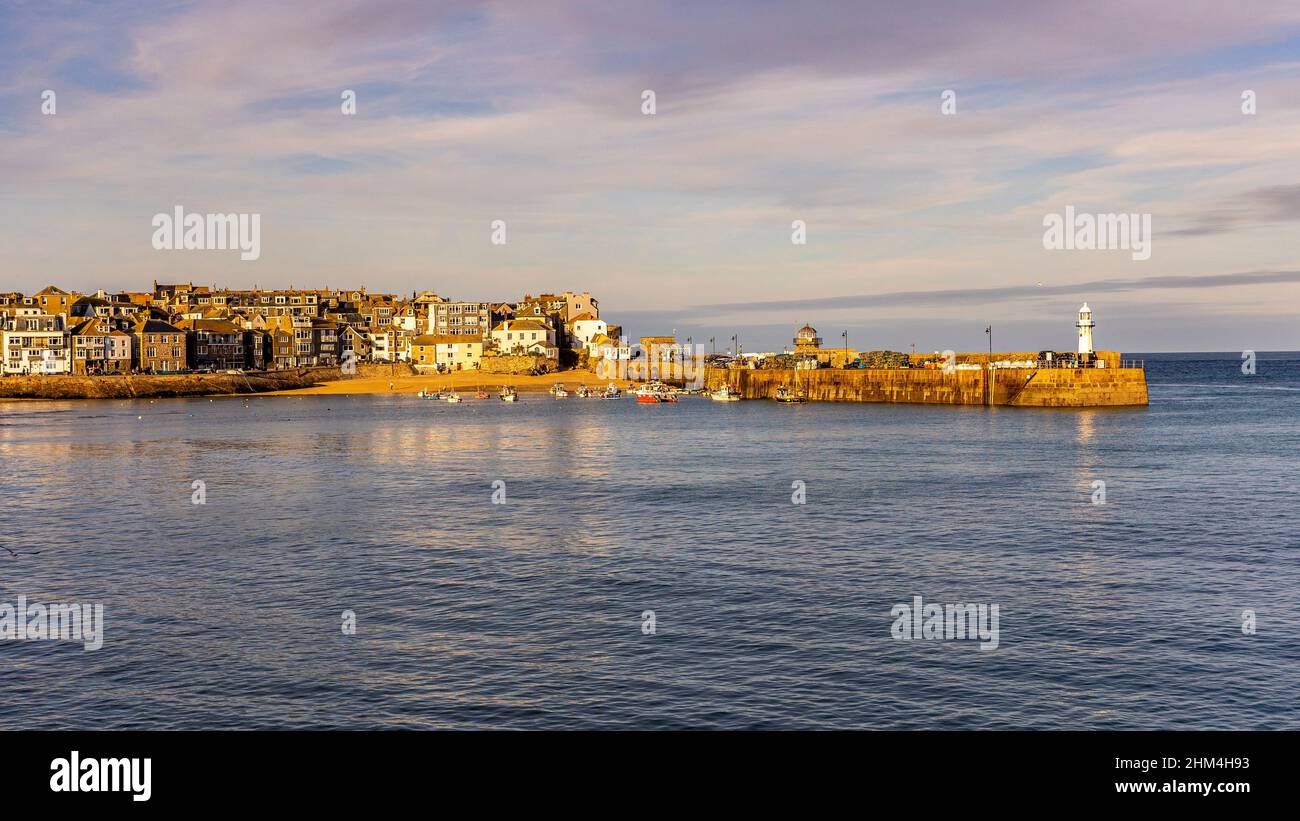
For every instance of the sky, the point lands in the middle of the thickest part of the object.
(922, 227)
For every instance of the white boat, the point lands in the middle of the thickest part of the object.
(654, 393)
(612, 392)
(725, 394)
(452, 397)
(583, 393)
(508, 394)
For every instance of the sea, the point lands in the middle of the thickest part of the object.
(376, 562)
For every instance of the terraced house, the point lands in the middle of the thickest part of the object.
(217, 344)
(98, 347)
(159, 347)
(54, 300)
(35, 343)
(303, 341)
(9, 302)
(453, 352)
(462, 318)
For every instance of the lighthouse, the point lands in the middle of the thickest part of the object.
(1085, 325)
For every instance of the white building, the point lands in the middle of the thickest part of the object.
(1085, 326)
(584, 329)
(408, 320)
(36, 343)
(526, 336)
(389, 346)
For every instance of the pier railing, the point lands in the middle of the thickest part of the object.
(1066, 365)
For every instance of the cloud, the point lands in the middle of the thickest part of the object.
(1262, 206)
(1012, 292)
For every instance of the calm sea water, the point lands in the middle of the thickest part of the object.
(768, 614)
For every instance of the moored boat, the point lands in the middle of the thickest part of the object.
(790, 396)
(612, 392)
(452, 397)
(508, 394)
(653, 393)
(725, 394)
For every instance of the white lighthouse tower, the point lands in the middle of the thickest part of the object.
(1085, 326)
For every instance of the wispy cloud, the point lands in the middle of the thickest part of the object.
(970, 296)
(1262, 206)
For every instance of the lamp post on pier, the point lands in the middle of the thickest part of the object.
(988, 380)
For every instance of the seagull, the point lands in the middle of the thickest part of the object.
(13, 552)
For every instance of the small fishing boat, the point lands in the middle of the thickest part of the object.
(452, 397)
(582, 392)
(558, 389)
(423, 394)
(612, 392)
(654, 393)
(481, 394)
(508, 394)
(725, 394)
(790, 396)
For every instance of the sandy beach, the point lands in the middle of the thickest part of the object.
(462, 381)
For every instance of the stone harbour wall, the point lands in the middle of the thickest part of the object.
(132, 387)
(1017, 387)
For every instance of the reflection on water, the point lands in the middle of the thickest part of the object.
(1087, 422)
(769, 614)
